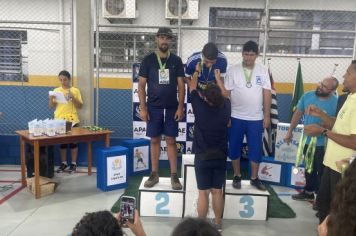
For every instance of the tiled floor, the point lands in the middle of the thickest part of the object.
(76, 194)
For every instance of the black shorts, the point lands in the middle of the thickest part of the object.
(210, 173)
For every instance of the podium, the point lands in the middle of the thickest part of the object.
(138, 156)
(160, 200)
(112, 168)
(246, 203)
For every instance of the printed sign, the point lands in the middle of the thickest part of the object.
(270, 172)
(116, 170)
(285, 152)
(140, 160)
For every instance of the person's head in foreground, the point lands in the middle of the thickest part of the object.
(194, 227)
(213, 95)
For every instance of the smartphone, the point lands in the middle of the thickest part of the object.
(127, 209)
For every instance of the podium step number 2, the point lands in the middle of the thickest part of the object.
(160, 200)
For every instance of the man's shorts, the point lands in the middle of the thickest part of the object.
(253, 130)
(162, 122)
(210, 173)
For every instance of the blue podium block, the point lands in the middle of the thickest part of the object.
(112, 168)
(271, 171)
(139, 161)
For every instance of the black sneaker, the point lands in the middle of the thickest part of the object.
(72, 168)
(258, 184)
(303, 196)
(62, 167)
(236, 182)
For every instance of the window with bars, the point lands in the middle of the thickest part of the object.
(12, 61)
(290, 31)
(119, 51)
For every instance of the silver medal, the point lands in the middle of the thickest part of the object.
(248, 85)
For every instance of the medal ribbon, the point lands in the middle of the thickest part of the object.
(161, 67)
(309, 154)
(247, 76)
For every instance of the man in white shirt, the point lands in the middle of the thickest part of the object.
(249, 88)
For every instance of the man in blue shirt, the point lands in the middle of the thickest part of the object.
(205, 63)
(324, 98)
(162, 72)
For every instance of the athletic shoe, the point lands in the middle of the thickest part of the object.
(303, 196)
(258, 184)
(62, 167)
(152, 180)
(216, 226)
(176, 185)
(236, 182)
(72, 168)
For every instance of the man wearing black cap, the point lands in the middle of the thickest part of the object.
(208, 64)
(163, 72)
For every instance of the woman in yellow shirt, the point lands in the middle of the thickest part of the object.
(68, 112)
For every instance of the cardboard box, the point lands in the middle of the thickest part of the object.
(285, 152)
(47, 185)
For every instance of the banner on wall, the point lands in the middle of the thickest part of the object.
(185, 126)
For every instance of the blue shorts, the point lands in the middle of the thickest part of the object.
(253, 130)
(161, 122)
(210, 173)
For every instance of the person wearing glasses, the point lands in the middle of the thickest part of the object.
(204, 63)
(324, 98)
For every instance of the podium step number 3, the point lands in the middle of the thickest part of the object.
(246, 203)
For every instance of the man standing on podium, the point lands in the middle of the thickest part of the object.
(162, 72)
(249, 88)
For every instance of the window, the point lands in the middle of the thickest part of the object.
(335, 43)
(232, 41)
(13, 65)
(118, 51)
(290, 31)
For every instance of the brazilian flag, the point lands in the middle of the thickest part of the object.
(298, 90)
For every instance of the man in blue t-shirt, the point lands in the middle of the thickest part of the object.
(162, 72)
(324, 98)
(205, 63)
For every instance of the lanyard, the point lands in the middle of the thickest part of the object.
(202, 71)
(247, 77)
(162, 67)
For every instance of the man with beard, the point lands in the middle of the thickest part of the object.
(341, 142)
(163, 72)
(324, 98)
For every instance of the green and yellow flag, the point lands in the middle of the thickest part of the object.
(298, 90)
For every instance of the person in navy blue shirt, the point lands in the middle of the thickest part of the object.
(210, 144)
(205, 63)
(162, 72)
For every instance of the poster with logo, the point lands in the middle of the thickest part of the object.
(285, 152)
(139, 129)
(116, 170)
